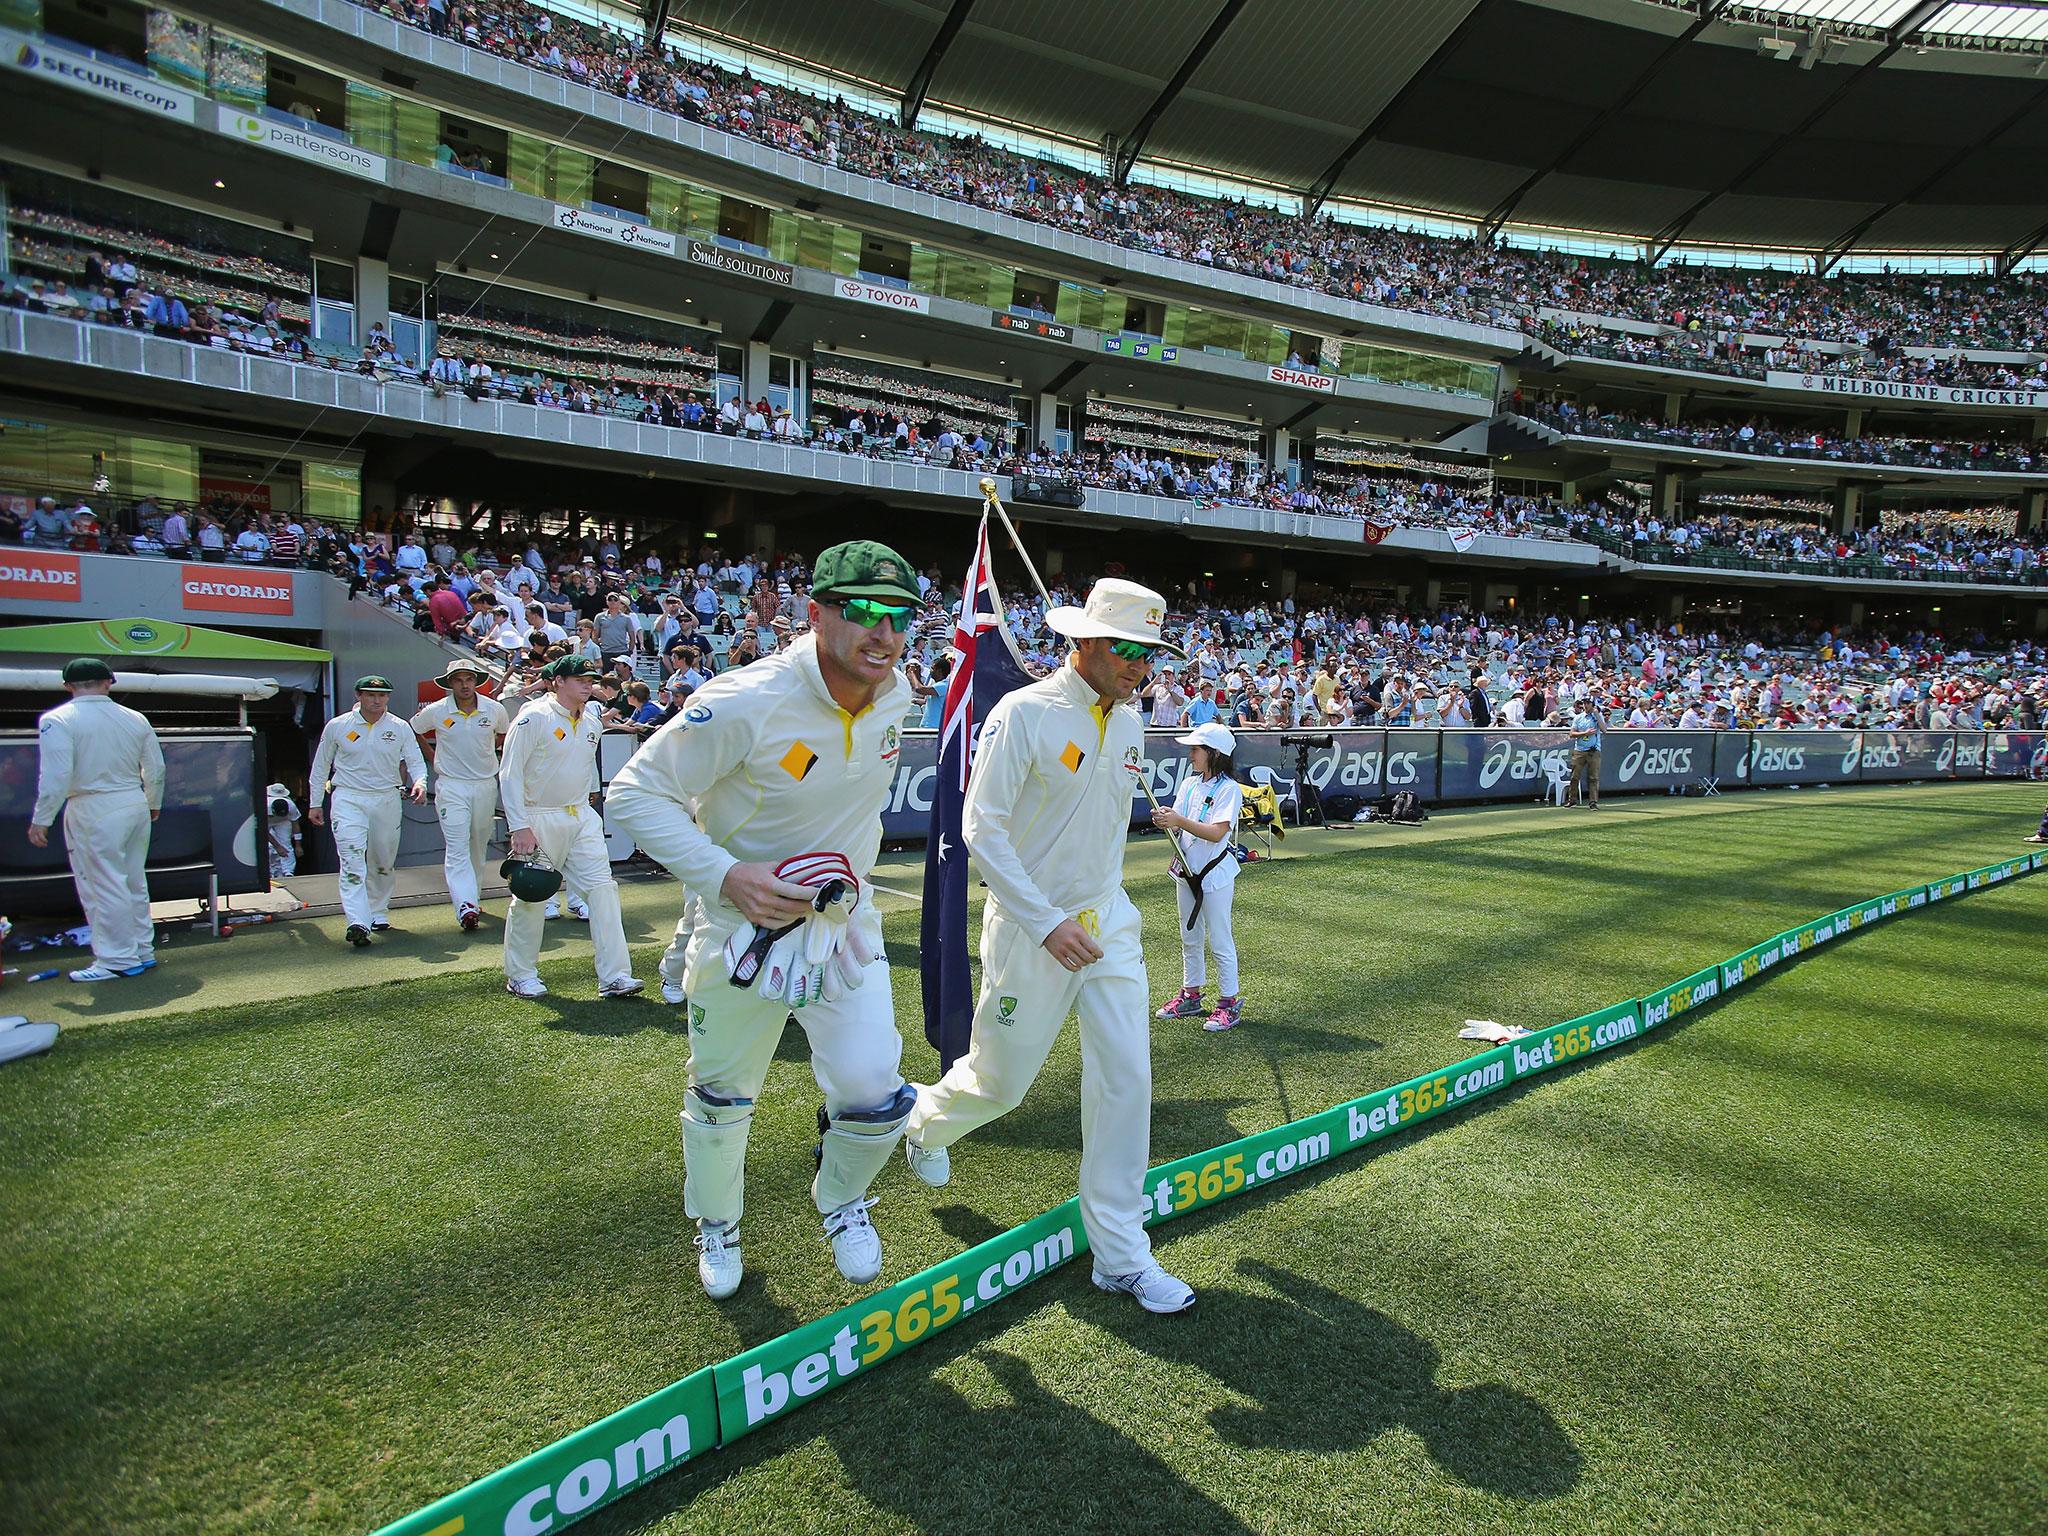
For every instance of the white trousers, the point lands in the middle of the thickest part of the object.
(1211, 931)
(573, 841)
(856, 1057)
(468, 809)
(1026, 996)
(107, 837)
(366, 842)
(675, 960)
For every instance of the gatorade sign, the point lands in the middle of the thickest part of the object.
(39, 577)
(223, 589)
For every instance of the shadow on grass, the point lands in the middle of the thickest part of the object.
(1329, 1375)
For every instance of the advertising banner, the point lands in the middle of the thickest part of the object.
(861, 291)
(41, 576)
(741, 263)
(770, 1379)
(2014, 754)
(1636, 760)
(1031, 325)
(1798, 757)
(1970, 754)
(1303, 378)
(583, 1471)
(223, 589)
(81, 71)
(1503, 765)
(1890, 389)
(301, 143)
(1667, 1003)
(1740, 970)
(600, 226)
(1893, 756)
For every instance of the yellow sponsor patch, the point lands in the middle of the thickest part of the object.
(353, 737)
(798, 761)
(448, 722)
(560, 734)
(1072, 757)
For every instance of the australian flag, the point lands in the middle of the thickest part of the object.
(986, 666)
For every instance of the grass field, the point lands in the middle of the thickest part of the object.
(305, 1262)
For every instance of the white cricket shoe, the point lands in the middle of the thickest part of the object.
(1156, 1290)
(552, 909)
(578, 910)
(856, 1246)
(95, 972)
(718, 1258)
(531, 987)
(672, 992)
(934, 1168)
(622, 986)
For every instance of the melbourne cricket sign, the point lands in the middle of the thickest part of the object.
(1974, 396)
(719, 1404)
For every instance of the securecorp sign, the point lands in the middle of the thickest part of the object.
(223, 589)
(39, 576)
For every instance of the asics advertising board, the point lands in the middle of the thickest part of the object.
(1638, 760)
(1503, 765)
(1892, 756)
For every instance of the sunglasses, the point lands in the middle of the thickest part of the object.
(867, 614)
(1131, 650)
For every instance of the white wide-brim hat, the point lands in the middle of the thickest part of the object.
(1116, 610)
(1212, 734)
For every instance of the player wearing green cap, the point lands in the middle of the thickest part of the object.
(361, 754)
(764, 796)
(101, 765)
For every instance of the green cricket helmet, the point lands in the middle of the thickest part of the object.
(531, 878)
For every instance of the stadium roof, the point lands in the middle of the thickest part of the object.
(1824, 125)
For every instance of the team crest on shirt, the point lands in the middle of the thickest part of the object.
(1005, 1007)
(696, 1018)
(390, 735)
(1134, 761)
(892, 743)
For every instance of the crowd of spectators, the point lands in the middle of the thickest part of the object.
(1933, 547)
(1757, 435)
(1725, 352)
(1460, 279)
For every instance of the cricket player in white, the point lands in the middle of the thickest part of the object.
(1048, 809)
(467, 727)
(361, 754)
(101, 765)
(790, 755)
(548, 778)
(1201, 820)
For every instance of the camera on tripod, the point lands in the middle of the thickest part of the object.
(1308, 800)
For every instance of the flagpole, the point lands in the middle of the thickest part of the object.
(991, 502)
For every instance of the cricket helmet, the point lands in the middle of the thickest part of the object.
(531, 878)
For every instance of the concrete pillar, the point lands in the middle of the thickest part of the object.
(1569, 490)
(754, 372)
(1857, 613)
(373, 295)
(2034, 506)
(764, 538)
(1054, 565)
(1045, 418)
(1276, 445)
(1854, 428)
(1677, 605)
(1671, 410)
(1848, 514)
(1290, 579)
(1432, 594)
(1667, 491)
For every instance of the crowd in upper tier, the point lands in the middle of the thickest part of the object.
(1459, 279)
(1766, 439)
